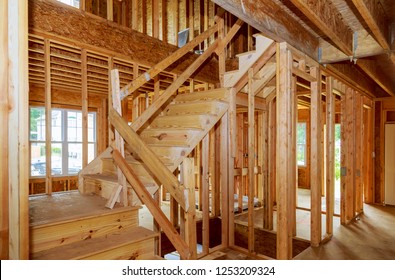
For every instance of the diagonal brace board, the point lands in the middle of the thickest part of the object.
(150, 159)
(156, 212)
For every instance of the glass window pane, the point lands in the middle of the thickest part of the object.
(91, 152)
(37, 124)
(37, 164)
(56, 159)
(91, 127)
(74, 158)
(301, 154)
(301, 133)
(74, 3)
(74, 126)
(57, 125)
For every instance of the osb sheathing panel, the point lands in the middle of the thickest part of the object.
(60, 20)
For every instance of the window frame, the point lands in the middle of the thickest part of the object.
(300, 144)
(64, 141)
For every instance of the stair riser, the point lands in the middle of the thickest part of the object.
(217, 94)
(53, 235)
(197, 121)
(135, 251)
(191, 108)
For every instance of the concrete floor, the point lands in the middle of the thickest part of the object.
(372, 237)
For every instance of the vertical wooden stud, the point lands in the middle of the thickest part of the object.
(315, 157)
(224, 183)
(285, 151)
(155, 18)
(18, 140)
(110, 10)
(330, 155)
(135, 11)
(84, 78)
(48, 117)
(251, 160)
(205, 195)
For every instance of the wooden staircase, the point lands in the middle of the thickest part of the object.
(101, 234)
(171, 135)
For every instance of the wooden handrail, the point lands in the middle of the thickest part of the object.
(151, 160)
(174, 237)
(155, 70)
(151, 110)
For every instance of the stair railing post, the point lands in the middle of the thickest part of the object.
(115, 104)
(188, 219)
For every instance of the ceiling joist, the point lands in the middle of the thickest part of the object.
(329, 21)
(274, 22)
(373, 14)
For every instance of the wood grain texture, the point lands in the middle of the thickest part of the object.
(268, 17)
(60, 20)
(326, 17)
(375, 16)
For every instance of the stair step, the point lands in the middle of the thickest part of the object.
(217, 255)
(219, 94)
(131, 243)
(198, 107)
(187, 121)
(245, 58)
(176, 137)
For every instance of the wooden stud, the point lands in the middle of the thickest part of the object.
(358, 153)
(175, 11)
(155, 18)
(251, 161)
(48, 117)
(164, 21)
(84, 77)
(223, 176)
(294, 168)
(330, 155)
(272, 161)
(190, 217)
(18, 140)
(135, 11)
(205, 194)
(222, 54)
(4, 123)
(315, 157)
(191, 23)
(110, 10)
(285, 151)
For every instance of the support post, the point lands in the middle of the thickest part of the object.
(316, 157)
(285, 151)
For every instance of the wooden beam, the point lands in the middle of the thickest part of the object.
(146, 198)
(18, 139)
(315, 157)
(277, 25)
(326, 17)
(330, 155)
(285, 150)
(4, 103)
(375, 17)
(366, 46)
(373, 70)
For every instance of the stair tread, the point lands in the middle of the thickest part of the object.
(85, 248)
(213, 94)
(246, 53)
(217, 255)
